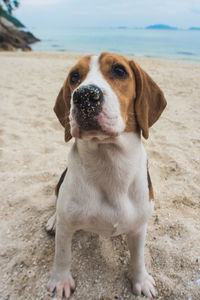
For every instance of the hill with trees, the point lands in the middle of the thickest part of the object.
(12, 37)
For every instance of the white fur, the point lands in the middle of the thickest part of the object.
(105, 191)
(112, 186)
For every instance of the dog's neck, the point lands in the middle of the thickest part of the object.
(113, 162)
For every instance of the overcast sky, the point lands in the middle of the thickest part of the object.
(104, 13)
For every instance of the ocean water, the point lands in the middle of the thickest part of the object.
(169, 44)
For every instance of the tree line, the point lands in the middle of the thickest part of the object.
(8, 6)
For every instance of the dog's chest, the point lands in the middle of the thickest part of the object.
(111, 221)
(104, 207)
(105, 193)
(93, 212)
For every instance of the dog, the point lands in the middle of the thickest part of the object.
(107, 103)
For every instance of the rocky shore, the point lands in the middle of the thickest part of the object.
(13, 38)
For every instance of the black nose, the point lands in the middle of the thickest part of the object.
(88, 101)
(88, 96)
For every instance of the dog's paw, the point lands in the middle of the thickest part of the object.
(61, 288)
(51, 225)
(144, 286)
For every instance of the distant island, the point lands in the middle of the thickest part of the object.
(157, 26)
(194, 28)
(122, 27)
(161, 26)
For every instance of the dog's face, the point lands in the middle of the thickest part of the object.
(102, 90)
(106, 95)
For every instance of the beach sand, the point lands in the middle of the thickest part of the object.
(33, 155)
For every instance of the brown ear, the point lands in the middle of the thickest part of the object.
(150, 101)
(62, 109)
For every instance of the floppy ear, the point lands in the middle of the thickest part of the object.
(150, 101)
(62, 109)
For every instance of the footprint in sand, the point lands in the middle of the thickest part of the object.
(195, 141)
(48, 190)
(174, 167)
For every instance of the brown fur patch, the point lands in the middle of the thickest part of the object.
(57, 187)
(82, 67)
(150, 101)
(125, 88)
(151, 194)
(62, 105)
(141, 100)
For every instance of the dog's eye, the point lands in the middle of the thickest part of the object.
(119, 71)
(74, 77)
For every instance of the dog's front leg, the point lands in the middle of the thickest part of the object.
(61, 279)
(142, 282)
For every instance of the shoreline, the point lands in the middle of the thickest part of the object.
(61, 54)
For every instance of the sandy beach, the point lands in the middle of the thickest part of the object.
(33, 155)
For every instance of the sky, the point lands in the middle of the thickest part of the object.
(106, 13)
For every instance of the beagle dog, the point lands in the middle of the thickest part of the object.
(106, 103)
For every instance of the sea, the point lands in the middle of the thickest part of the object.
(156, 43)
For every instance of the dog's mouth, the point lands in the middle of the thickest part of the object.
(91, 133)
(91, 128)
(97, 135)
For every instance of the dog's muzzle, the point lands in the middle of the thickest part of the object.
(88, 100)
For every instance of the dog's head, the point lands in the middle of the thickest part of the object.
(106, 95)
